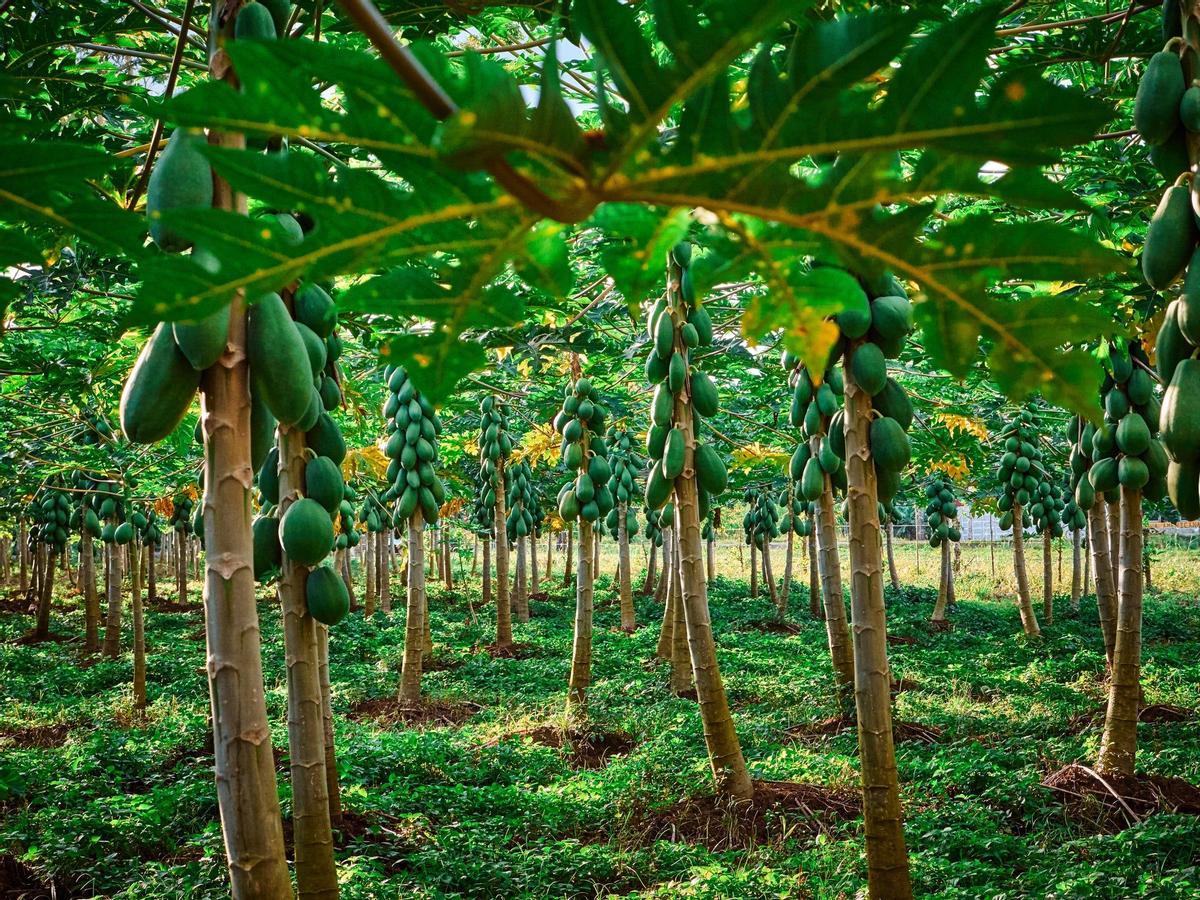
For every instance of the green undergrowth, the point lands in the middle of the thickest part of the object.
(123, 810)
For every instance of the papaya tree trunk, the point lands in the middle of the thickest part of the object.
(549, 554)
(414, 626)
(91, 601)
(487, 571)
(316, 875)
(1106, 589)
(668, 554)
(681, 663)
(724, 750)
(1086, 563)
(1024, 604)
(1048, 576)
(624, 576)
(151, 575)
(753, 570)
(666, 633)
(181, 574)
(535, 581)
(887, 855)
(891, 558)
(522, 579)
(837, 630)
(814, 579)
(1113, 509)
(369, 557)
(768, 573)
(943, 597)
(710, 553)
(648, 582)
(569, 556)
(581, 649)
(23, 554)
(1118, 745)
(333, 789)
(46, 597)
(112, 622)
(786, 588)
(504, 634)
(343, 566)
(383, 567)
(139, 632)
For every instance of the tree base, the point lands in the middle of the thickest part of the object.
(1111, 802)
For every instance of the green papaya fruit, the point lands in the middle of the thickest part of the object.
(323, 483)
(1170, 157)
(855, 319)
(159, 389)
(268, 555)
(894, 401)
(710, 469)
(1103, 475)
(664, 336)
(1132, 473)
(331, 394)
(281, 11)
(1170, 238)
(202, 342)
(673, 453)
(325, 439)
(658, 488)
(702, 322)
(254, 22)
(1183, 487)
(1157, 104)
(314, 347)
(890, 447)
(1133, 435)
(180, 179)
(315, 309)
(891, 318)
(306, 532)
(279, 361)
(869, 368)
(1180, 418)
(812, 480)
(1171, 347)
(326, 596)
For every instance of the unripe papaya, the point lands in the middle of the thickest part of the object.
(710, 469)
(325, 439)
(890, 447)
(1156, 106)
(279, 361)
(316, 309)
(326, 596)
(869, 368)
(306, 532)
(1183, 487)
(314, 346)
(704, 395)
(1170, 238)
(664, 336)
(254, 22)
(1133, 436)
(159, 389)
(855, 319)
(181, 179)
(1180, 417)
(658, 488)
(702, 322)
(323, 483)
(202, 342)
(673, 453)
(891, 318)
(812, 480)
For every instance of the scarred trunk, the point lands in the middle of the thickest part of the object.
(624, 576)
(1024, 604)
(769, 574)
(569, 556)
(710, 554)
(522, 604)
(943, 597)
(112, 622)
(316, 875)
(753, 570)
(91, 600)
(45, 596)
(1113, 510)
(581, 650)
(243, 761)
(151, 576)
(1048, 576)
(668, 551)
(369, 558)
(139, 632)
(837, 630)
(887, 855)
(1118, 746)
(814, 579)
(333, 789)
(681, 663)
(504, 634)
(487, 571)
(535, 584)
(648, 583)
(383, 568)
(1106, 589)
(786, 589)
(181, 575)
(414, 627)
(891, 559)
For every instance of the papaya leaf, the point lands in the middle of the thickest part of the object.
(637, 240)
(799, 304)
(435, 367)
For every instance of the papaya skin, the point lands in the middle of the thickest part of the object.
(159, 389)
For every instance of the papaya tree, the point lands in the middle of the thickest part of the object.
(520, 522)
(621, 520)
(941, 514)
(689, 472)
(418, 492)
(585, 498)
(1020, 474)
(1046, 512)
(761, 525)
(495, 447)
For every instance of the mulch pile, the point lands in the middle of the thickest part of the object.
(586, 749)
(774, 626)
(512, 651)
(901, 731)
(1154, 714)
(36, 737)
(425, 713)
(19, 882)
(778, 810)
(1111, 802)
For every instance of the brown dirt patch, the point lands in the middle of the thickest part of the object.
(540, 596)
(779, 810)
(442, 664)
(200, 635)
(19, 882)
(774, 626)
(1154, 714)
(164, 605)
(425, 713)
(901, 640)
(586, 749)
(30, 639)
(37, 737)
(1112, 802)
(941, 626)
(900, 685)
(16, 603)
(901, 730)
(512, 651)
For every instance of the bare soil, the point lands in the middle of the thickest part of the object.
(1112, 802)
(425, 713)
(585, 748)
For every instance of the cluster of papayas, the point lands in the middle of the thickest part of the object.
(760, 524)
(183, 507)
(653, 529)
(482, 517)
(413, 427)
(708, 530)
(677, 325)
(495, 444)
(524, 502)
(1166, 108)
(816, 409)
(50, 513)
(1179, 419)
(941, 510)
(625, 462)
(1026, 485)
(97, 429)
(583, 422)
(797, 512)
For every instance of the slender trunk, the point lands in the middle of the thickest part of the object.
(112, 623)
(414, 627)
(710, 553)
(535, 583)
(549, 553)
(332, 787)
(369, 557)
(487, 571)
(46, 596)
(581, 650)
(181, 575)
(668, 555)
(887, 856)
(139, 631)
(316, 875)
(569, 558)
(384, 567)
(504, 634)
(1048, 576)
(1087, 562)
(788, 560)
(1106, 589)
(681, 663)
(950, 574)
(1024, 604)
(943, 597)
(1113, 510)
(243, 762)
(91, 601)
(1118, 745)
(343, 566)
(837, 630)
(814, 584)
(666, 633)
(753, 570)
(522, 603)
(23, 553)
(720, 737)
(891, 559)
(624, 576)
(151, 575)
(769, 574)
(475, 556)
(648, 582)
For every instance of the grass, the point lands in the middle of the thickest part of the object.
(121, 810)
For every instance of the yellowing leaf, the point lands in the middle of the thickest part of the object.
(964, 424)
